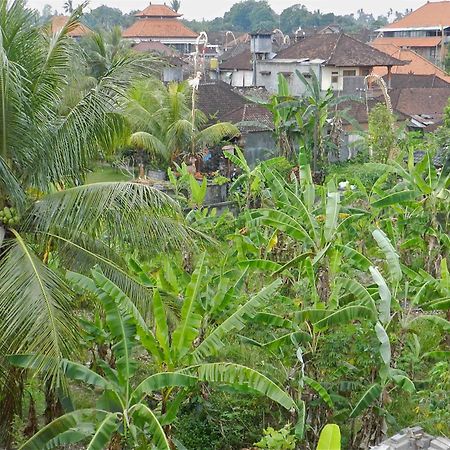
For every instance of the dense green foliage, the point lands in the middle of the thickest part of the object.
(314, 315)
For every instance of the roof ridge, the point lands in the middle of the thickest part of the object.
(334, 48)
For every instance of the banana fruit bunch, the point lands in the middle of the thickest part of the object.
(9, 216)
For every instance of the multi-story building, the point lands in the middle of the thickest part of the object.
(426, 31)
(162, 24)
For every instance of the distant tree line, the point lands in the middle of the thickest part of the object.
(248, 15)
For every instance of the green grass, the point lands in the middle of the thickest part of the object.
(102, 174)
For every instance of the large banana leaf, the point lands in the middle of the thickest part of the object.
(273, 320)
(104, 432)
(384, 306)
(190, 323)
(366, 400)
(385, 344)
(285, 223)
(120, 324)
(144, 417)
(331, 216)
(330, 438)
(395, 199)
(360, 292)
(391, 254)
(162, 380)
(261, 264)
(162, 329)
(295, 337)
(76, 371)
(60, 425)
(357, 258)
(235, 374)
(323, 393)
(127, 308)
(345, 315)
(214, 341)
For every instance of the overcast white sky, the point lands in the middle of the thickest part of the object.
(208, 9)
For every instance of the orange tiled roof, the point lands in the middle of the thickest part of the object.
(58, 22)
(431, 41)
(158, 29)
(417, 65)
(158, 11)
(432, 14)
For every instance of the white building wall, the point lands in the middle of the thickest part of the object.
(327, 75)
(267, 74)
(238, 78)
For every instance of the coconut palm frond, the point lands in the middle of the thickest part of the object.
(151, 144)
(180, 135)
(132, 214)
(217, 133)
(35, 312)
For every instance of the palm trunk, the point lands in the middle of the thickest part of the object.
(11, 397)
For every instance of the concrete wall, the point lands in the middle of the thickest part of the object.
(267, 74)
(238, 78)
(414, 439)
(258, 146)
(327, 74)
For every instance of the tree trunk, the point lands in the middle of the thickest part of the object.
(10, 404)
(53, 408)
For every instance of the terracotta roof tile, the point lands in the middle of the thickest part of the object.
(338, 50)
(58, 22)
(417, 64)
(430, 41)
(432, 14)
(158, 28)
(158, 11)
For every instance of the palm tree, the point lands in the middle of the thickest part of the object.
(51, 222)
(166, 127)
(104, 49)
(175, 5)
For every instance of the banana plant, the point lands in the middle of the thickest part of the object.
(372, 402)
(308, 222)
(422, 196)
(122, 413)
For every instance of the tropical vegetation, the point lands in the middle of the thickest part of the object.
(313, 313)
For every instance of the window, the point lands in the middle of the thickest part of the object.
(349, 73)
(433, 53)
(334, 77)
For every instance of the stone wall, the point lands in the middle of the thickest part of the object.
(414, 439)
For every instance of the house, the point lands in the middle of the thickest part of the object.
(340, 61)
(221, 103)
(58, 22)
(172, 63)
(424, 106)
(238, 66)
(426, 31)
(416, 64)
(238, 69)
(162, 24)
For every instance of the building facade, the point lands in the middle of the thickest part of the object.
(160, 23)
